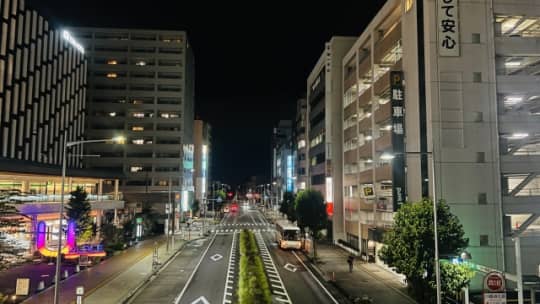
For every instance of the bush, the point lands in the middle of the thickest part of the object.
(253, 286)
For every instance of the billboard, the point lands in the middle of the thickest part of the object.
(398, 138)
(289, 177)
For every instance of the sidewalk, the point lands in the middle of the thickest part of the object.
(132, 266)
(366, 279)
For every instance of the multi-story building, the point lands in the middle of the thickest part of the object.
(141, 84)
(42, 107)
(324, 129)
(282, 160)
(202, 141)
(446, 87)
(300, 145)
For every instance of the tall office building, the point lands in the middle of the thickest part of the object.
(299, 145)
(202, 156)
(324, 131)
(450, 88)
(141, 84)
(282, 160)
(42, 106)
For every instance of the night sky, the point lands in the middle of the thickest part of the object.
(252, 60)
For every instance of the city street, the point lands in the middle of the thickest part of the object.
(207, 272)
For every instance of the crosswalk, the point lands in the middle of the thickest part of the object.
(232, 230)
(246, 225)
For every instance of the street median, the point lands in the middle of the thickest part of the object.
(253, 286)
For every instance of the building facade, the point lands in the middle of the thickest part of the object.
(447, 91)
(324, 131)
(202, 158)
(141, 84)
(300, 145)
(43, 87)
(282, 160)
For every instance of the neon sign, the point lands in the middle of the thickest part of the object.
(67, 36)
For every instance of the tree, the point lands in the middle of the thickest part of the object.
(409, 248)
(311, 212)
(287, 206)
(78, 209)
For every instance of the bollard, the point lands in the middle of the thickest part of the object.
(77, 268)
(41, 286)
(66, 274)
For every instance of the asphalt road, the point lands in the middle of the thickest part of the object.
(207, 274)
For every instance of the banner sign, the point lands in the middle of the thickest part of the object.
(398, 138)
(448, 28)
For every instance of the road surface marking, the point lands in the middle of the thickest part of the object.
(230, 271)
(216, 257)
(200, 300)
(283, 300)
(271, 270)
(315, 278)
(179, 297)
(290, 267)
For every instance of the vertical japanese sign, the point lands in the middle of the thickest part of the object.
(448, 27)
(398, 138)
(290, 168)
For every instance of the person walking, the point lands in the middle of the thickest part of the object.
(350, 261)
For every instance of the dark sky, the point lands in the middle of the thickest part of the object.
(252, 60)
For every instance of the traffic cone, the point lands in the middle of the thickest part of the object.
(41, 286)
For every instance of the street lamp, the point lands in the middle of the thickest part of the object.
(388, 156)
(68, 144)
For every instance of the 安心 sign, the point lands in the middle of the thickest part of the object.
(448, 27)
(494, 288)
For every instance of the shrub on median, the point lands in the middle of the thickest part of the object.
(253, 285)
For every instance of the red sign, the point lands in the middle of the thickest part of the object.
(494, 282)
(329, 208)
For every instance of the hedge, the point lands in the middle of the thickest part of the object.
(253, 286)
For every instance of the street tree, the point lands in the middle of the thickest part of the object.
(311, 213)
(78, 209)
(195, 207)
(409, 248)
(287, 206)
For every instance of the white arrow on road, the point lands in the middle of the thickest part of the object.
(216, 257)
(290, 267)
(201, 300)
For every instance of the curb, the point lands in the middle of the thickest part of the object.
(150, 277)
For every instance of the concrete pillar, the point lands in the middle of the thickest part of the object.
(116, 194)
(69, 186)
(100, 189)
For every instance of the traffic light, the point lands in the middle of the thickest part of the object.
(230, 195)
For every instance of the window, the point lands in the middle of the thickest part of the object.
(135, 168)
(169, 115)
(138, 141)
(484, 240)
(317, 140)
(477, 77)
(140, 63)
(137, 128)
(301, 144)
(475, 38)
(112, 75)
(112, 62)
(482, 198)
(138, 115)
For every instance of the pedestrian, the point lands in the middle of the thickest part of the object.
(350, 260)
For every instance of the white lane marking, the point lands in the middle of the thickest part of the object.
(216, 257)
(179, 297)
(290, 267)
(283, 300)
(272, 268)
(315, 278)
(200, 300)
(230, 269)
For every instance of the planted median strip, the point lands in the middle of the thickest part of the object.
(253, 286)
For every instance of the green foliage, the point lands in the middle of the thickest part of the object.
(287, 206)
(454, 277)
(113, 237)
(78, 209)
(150, 219)
(409, 248)
(221, 193)
(253, 286)
(311, 210)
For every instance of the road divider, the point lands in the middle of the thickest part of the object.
(253, 285)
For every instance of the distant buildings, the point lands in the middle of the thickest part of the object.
(202, 156)
(141, 84)
(282, 160)
(299, 143)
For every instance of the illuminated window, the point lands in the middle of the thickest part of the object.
(408, 5)
(137, 128)
(162, 183)
(140, 63)
(112, 75)
(112, 114)
(138, 115)
(138, 141)
(301, 144)
(112, 61)
(135, 168)
(168, 115)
